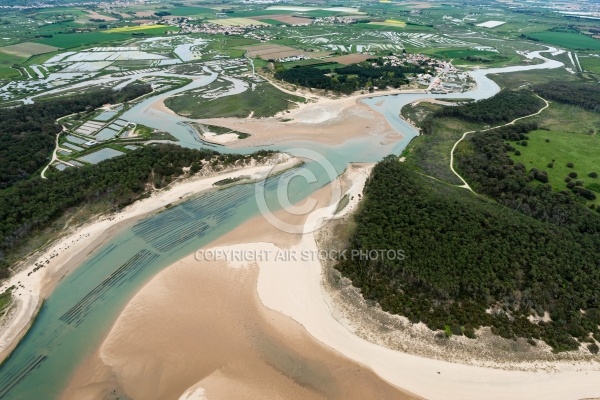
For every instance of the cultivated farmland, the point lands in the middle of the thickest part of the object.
(272, 51)
(285, 19)
(349, 58)
(237, 22)
(567, 39)
(27, 49)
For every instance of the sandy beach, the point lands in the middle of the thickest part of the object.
(324, 120)
(327, 121)
(198, 330)
(38, 275)
(143, 347)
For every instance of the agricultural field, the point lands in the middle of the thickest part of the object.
(349, 59)
(184, 11)
(142, 28)
(390, 22)
(27, 49)
(272, 51)
(574, 41)
(237, 22)
(283, 19)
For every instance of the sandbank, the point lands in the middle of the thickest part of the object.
(287, 289)
(33, 283)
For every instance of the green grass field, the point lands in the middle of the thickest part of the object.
(188, 11)
(462, 53)
(314, 62)
(69, 40)
(8, 72)
(567, 118)
(271, 21)
(264, 101)
(7, 60)
(590, 63)
(568, 40)
(321, 13)
(257, 13)
(563, 147)
(470, 57)
(514, 80)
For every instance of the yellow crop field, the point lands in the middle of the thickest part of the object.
(390, 22)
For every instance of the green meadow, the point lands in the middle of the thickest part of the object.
(7, 60)
(189, 11)
(590, 63)
(257, 13)
(567, 39)
(560, 148)
(69, 40)
(264, 101)
(8, 72)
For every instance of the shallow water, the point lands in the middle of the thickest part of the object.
(80, 311)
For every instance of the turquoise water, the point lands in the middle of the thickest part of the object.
(106, 115)
(78, 314)
(101, 155)
(76, 317)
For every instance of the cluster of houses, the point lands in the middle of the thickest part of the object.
(451, 81)
(447, 79)
(293, 58)
(186, 25)
(336, 20)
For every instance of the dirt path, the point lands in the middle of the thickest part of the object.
(54, 154)
(465, 184)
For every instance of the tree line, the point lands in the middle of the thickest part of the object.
(503, 107)
(33, 205)
(27, 133)
(350, 78)
(579, 94)
(466, 254)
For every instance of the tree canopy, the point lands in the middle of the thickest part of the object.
(27, 133)
(32, 205)
(470, 262)
(349, 78)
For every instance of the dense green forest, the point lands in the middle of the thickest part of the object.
(465, 255)
(580, 94)
(503, 107)
(350, 78)
(34, 204)
(27, 133)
